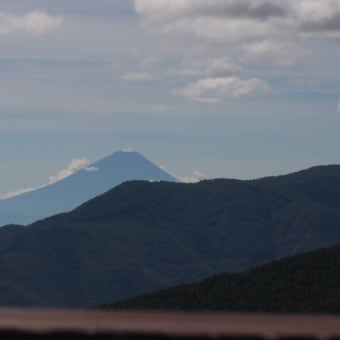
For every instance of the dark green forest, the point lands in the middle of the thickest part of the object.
(306, 283)
(141, 236)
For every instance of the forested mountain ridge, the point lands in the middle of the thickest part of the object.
(143, 236)
(304, 283)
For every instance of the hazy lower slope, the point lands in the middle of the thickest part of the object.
(79, 187)
(143, 236)
(306, 283)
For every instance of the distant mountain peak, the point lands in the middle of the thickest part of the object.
(82, 185)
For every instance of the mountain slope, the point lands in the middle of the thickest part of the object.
(305, 283)
(142, 236)
(83, 185)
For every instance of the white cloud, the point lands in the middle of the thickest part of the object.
(338, 107)
(74, 166)
(17, 192)
(177, 8)
(34, 23)
(210, 29)
(213, 89)
(136, 76)
(265, 28)
(304, 15)
(195, 177)
(214, 20)
(319, 16)
(276, 52)
(162, 167)
(210, 67)
(128, 149)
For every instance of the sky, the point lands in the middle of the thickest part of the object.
(219, 88)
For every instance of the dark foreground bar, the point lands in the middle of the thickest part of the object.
(68, 324)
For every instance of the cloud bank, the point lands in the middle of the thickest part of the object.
(195, 177)
(233, 36)
(213, 89)
(209, 67)
(33, 23)
(268, 29)
(74, 166)
(242, 18)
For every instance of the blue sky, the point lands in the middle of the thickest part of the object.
(228, 88)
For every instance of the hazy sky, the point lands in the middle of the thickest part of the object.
(230, 88)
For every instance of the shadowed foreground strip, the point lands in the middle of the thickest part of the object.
(59, 324)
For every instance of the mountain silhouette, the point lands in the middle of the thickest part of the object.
(142, 236)
(81, 186)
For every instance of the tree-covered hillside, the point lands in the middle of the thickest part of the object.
(305, 283)
(144, 236)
